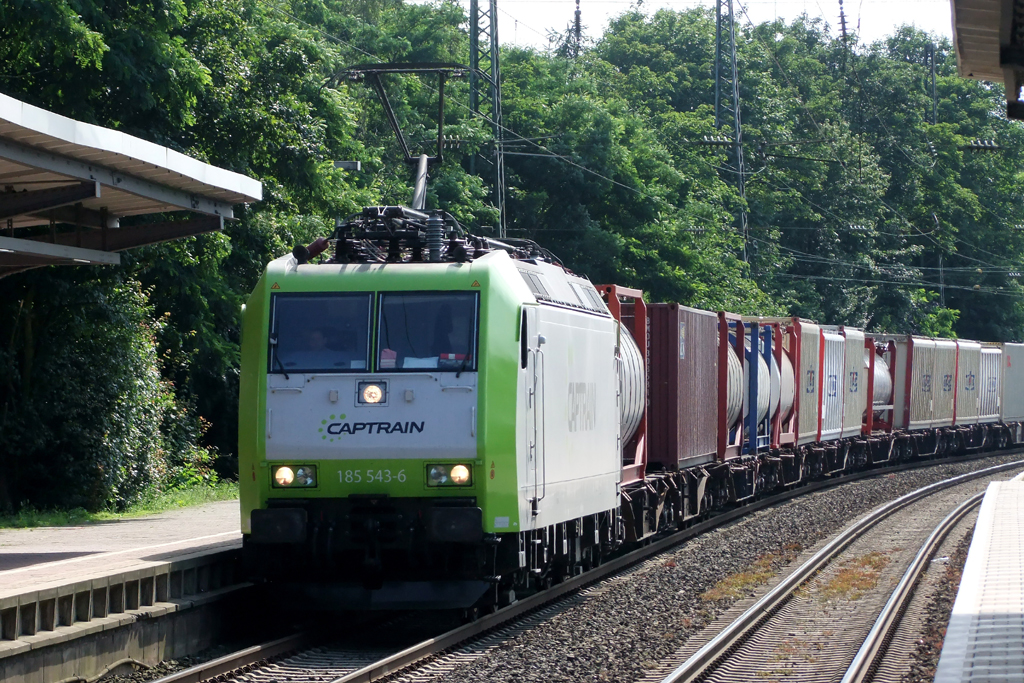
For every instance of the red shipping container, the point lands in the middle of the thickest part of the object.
(683, 412)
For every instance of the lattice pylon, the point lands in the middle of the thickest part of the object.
(727, 99)
(485, 88)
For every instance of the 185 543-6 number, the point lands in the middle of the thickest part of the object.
(370, 476)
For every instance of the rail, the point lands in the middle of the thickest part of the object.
(869, 656)
(697, 665)
(432, 646)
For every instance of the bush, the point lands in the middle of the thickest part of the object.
(84, 416)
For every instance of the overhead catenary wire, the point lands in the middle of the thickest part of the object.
(481, 115)
(915, 285)
(520, 21)
(555, 155)
(547, 153)
(891, 138)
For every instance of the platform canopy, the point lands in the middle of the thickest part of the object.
(65, 186)
(989, 39)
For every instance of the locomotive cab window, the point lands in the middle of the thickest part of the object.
(319, 333)
(427, 331)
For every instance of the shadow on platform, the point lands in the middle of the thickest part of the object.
(19, 560)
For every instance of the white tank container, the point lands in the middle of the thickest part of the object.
(776, 386)
(968, 374)
(855, 397)
(1011, 405)
(786, 391)
(764, 386)
(634, 386)
(833, 367)
(734, 393)
(882, 381)
(988, 382)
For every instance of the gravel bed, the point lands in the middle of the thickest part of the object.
(938, 611)
(621, 633)
(172, 665)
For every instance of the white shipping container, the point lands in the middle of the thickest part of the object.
(944, 382)
(807, 382)
(833, 361)
(855, 396)
(988, 382)
(1011, 408)
(922, 389)
(968, 371)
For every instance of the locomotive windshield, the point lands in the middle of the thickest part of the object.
(427, 331)
(320, 333)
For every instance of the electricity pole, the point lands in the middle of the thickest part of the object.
(485, 89)
(935, 99)
(727, 100)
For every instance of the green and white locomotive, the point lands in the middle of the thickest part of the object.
(428, 418)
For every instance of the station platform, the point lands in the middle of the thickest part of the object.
(38, 558)
(61, 583)
(78, 602)
(985, 638)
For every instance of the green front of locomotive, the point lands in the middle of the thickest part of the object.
(377, 429)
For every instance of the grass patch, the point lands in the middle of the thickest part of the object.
(855, 577)
(763, 569)
(775, 674)
(152, 504)
(736, 585)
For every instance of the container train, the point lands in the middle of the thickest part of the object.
(431, 419)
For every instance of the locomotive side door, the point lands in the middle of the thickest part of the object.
(533, 343)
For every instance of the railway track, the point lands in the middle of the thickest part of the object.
(299, 659)
(869, 656)
(808, 626)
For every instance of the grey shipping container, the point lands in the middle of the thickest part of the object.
(925, 390)
(809, 335)
(833, 361)
(988, 382)
(683, 414)
(968, 371)
(945, 383)
(855, 397)
(1012, 406)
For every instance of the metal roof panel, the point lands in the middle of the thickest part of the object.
(85, 142)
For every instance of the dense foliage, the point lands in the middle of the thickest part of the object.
(115, 380)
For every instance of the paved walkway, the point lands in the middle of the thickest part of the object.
(984, 640)
(32, 559)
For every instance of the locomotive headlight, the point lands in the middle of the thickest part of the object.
(294, 476)
(305, 476)
(437, 475)
(449, 475)
(460, 475)
(372, 393)
(284, 476)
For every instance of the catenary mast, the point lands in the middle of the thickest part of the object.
(485, 88)
(727, 99)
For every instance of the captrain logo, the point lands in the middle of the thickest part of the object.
(334, 426)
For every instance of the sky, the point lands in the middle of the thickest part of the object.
(528, 22)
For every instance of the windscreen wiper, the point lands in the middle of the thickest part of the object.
(469, 353)
(273, 354)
